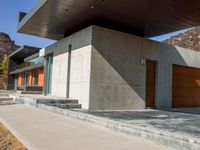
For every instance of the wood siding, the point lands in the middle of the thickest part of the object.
(41, 76)
(186, 87)
(31, 77)
(20, 79)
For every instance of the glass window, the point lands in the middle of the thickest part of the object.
(37, 60)
(26, 78)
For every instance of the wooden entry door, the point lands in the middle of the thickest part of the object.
(150, 83)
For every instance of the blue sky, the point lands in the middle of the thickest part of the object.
(166, 36)
(9, 11)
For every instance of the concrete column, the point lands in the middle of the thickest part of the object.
(16, 82)
(164, 86)
(68, 70)
(45, 77)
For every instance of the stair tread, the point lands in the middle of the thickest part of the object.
(4, 95)
(31, 92)
(57, 101)
(69, 104)
(2, 101)
(65, 106)
(7, 103)
(6, 99)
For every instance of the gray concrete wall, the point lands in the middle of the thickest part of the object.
(118, 79)
(106, 70)
(80, 66)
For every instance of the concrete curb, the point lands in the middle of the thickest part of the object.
(23, 140)
(159, 137)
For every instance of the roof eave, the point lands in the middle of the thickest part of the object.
(31, 13)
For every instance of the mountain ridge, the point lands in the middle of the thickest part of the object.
(6, 44)
(189, 39)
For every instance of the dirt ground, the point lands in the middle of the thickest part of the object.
(8, 141)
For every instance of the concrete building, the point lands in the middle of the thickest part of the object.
(103, 60)
(26, 70)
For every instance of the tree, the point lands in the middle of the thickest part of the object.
(4, 71)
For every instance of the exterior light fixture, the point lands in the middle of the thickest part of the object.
(92, 6)
(142, 61)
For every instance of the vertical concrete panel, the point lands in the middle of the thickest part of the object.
(80, 66)
(164, 86)
(80, 75)
(59, 75)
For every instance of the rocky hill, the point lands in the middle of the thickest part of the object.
(6, 44)
(6, 47)
(189, 39)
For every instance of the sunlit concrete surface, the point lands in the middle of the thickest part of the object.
(38, 129)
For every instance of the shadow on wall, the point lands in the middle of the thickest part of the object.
(77, 40)
(118, 79)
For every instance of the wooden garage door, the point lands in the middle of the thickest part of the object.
(186, 87)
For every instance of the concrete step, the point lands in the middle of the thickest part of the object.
(30, 92)
(6, 99)
(66, 106)
(7, 103)
(4, 95)
(64, 101)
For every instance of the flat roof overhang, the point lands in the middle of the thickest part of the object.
(55, 19)
(23, 52)
(27, 68)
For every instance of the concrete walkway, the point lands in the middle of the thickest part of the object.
(38, 129)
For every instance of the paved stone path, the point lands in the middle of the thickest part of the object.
(183, 122)
(38, 129)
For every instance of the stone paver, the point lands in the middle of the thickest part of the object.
(42, 130)
(177, 121)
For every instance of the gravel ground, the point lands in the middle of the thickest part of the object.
(8, 141)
